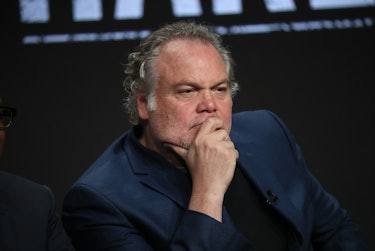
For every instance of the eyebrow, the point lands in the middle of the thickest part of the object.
(189, 83)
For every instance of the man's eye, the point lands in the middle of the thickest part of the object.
(221, 89)
(186, 91)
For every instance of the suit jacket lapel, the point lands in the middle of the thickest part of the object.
(169, 181)
(157, 173)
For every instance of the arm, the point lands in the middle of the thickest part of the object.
(56, 236)
(333, 228)
(94, 223)
(197, 231)
(211, 160)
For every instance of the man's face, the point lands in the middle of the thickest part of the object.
(192, 86)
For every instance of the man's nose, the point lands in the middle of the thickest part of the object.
(207, 102)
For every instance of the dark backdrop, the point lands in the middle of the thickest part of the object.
(320, 82)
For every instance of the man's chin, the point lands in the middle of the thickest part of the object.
(183, 141)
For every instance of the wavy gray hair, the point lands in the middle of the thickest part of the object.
(140, 71)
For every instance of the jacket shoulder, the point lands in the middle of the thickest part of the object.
(108, 166)
(255, 121)
(261, 125)
(17, 186)
(253, 118)
(31, 201)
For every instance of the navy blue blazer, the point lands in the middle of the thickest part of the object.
(133, 199)
(28, 220)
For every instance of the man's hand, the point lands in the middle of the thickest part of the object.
(211, 160)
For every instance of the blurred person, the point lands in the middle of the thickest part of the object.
(28, 221)
(190, 175)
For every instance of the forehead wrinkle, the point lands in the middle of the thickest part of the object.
(181, 60)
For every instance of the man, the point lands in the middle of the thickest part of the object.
(189, 175)
(27, 210)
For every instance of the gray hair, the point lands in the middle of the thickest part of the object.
(140, 71)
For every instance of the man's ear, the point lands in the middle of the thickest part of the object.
(142, 106)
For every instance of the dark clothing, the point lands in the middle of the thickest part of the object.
(131, 198)
(28, 220)
(254, 216)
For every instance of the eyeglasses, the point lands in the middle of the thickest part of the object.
(7, 115)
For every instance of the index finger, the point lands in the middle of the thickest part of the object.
(210, 125)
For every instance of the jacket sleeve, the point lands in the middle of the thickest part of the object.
(94, 223)
(57, 238)
(198, 231)
(332, 227)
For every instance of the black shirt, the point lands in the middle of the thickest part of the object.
(254, 217)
